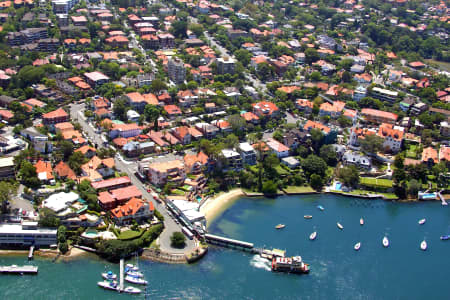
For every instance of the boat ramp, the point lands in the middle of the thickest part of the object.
(18, 269)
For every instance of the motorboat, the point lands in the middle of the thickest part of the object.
(361, 221)
(313, 236)
(280, 226)
(109, 276)
(339, 225)
(385, 242)
(320, 207)
(108, 285)
(135, 274)
(422, 221)
(445, 237)
(357, 246)
(135, 280)
(307, 216)
(131, 267)
(423, 245)
(131, 290)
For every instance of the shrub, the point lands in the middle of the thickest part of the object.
(63, 247)
(178, 240)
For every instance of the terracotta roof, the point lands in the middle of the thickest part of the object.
(311, 124)
(387, 130)
(130, 208)
(63, 170)
(105, 198)
(59, 113)
(276, 146)
(64, 126)
(444, 153)
(128, 192)
(111, 182)
(429, 153)
(44, 167)
(172, 109)
(265, 107)
(379, 113)
(304, 103)
(85, 149)
(249, 116)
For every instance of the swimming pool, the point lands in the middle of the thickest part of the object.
(338, 186)
(429, 196)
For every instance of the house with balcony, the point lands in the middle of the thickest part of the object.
(134, 210)
(248, 154)
(170, 171)
(233, 160)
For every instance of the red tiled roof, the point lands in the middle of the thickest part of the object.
(111, 182)
(59, 113)
(63, 170)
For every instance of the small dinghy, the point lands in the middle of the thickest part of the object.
(385, 242)
(361, 221)
(339, 226)
(313, 236)
(422, 221)
(307, 216)
(357, 246)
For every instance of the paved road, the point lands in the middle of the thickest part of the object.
(130, 169)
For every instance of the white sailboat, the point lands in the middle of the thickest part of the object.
(313, 236)
(361, 221)
(339, 225)
(357, 246)
(385, 242)
(422, 221)
(423, 245)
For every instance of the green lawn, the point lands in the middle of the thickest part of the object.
(370, 181)
(57, 185)
(298, 189)
(360, 192)
(281, 171)
(129, 235)
(177, 192)
(412, 152)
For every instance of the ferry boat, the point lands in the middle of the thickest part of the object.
(357, 246)
(361, 221)
(135, 280)
(290, 265)
(445, 237)
(422, 221)
(385, 242)
(339, 225)
(423, 245)
(280, 226)
(307, 216)
(320, 207)
(313, 236)
(109, 276)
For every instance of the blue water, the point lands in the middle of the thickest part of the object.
(401, 271)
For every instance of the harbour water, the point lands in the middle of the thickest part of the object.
(401, 271)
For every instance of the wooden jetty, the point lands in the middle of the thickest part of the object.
(30, 253)
(18, 269)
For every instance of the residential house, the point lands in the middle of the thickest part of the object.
(356, 159)
(209, 131)
(392, 136)
(384, 95)
(172, 110)
(182, 134)
(291, 162)
(248, 154)
(195, 163)
(430, 156)
(134, 210)
(63, 171)
(87, 151)
(225, 65)
(233, 160)
(40, 142)
(110, 184)
(96, 78)
(54, 117)
(125, 130)
(45, 172)
(97, 169)
(304, 105)
(333, 110)
(162, 172)
(265, 108)
(7, 168)
(378, 116)
(277, 148)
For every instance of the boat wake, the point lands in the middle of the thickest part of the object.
(260, 263)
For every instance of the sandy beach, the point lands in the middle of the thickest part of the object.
(214, 207)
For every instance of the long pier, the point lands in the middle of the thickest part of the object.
(18, 269)
(226, 242)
